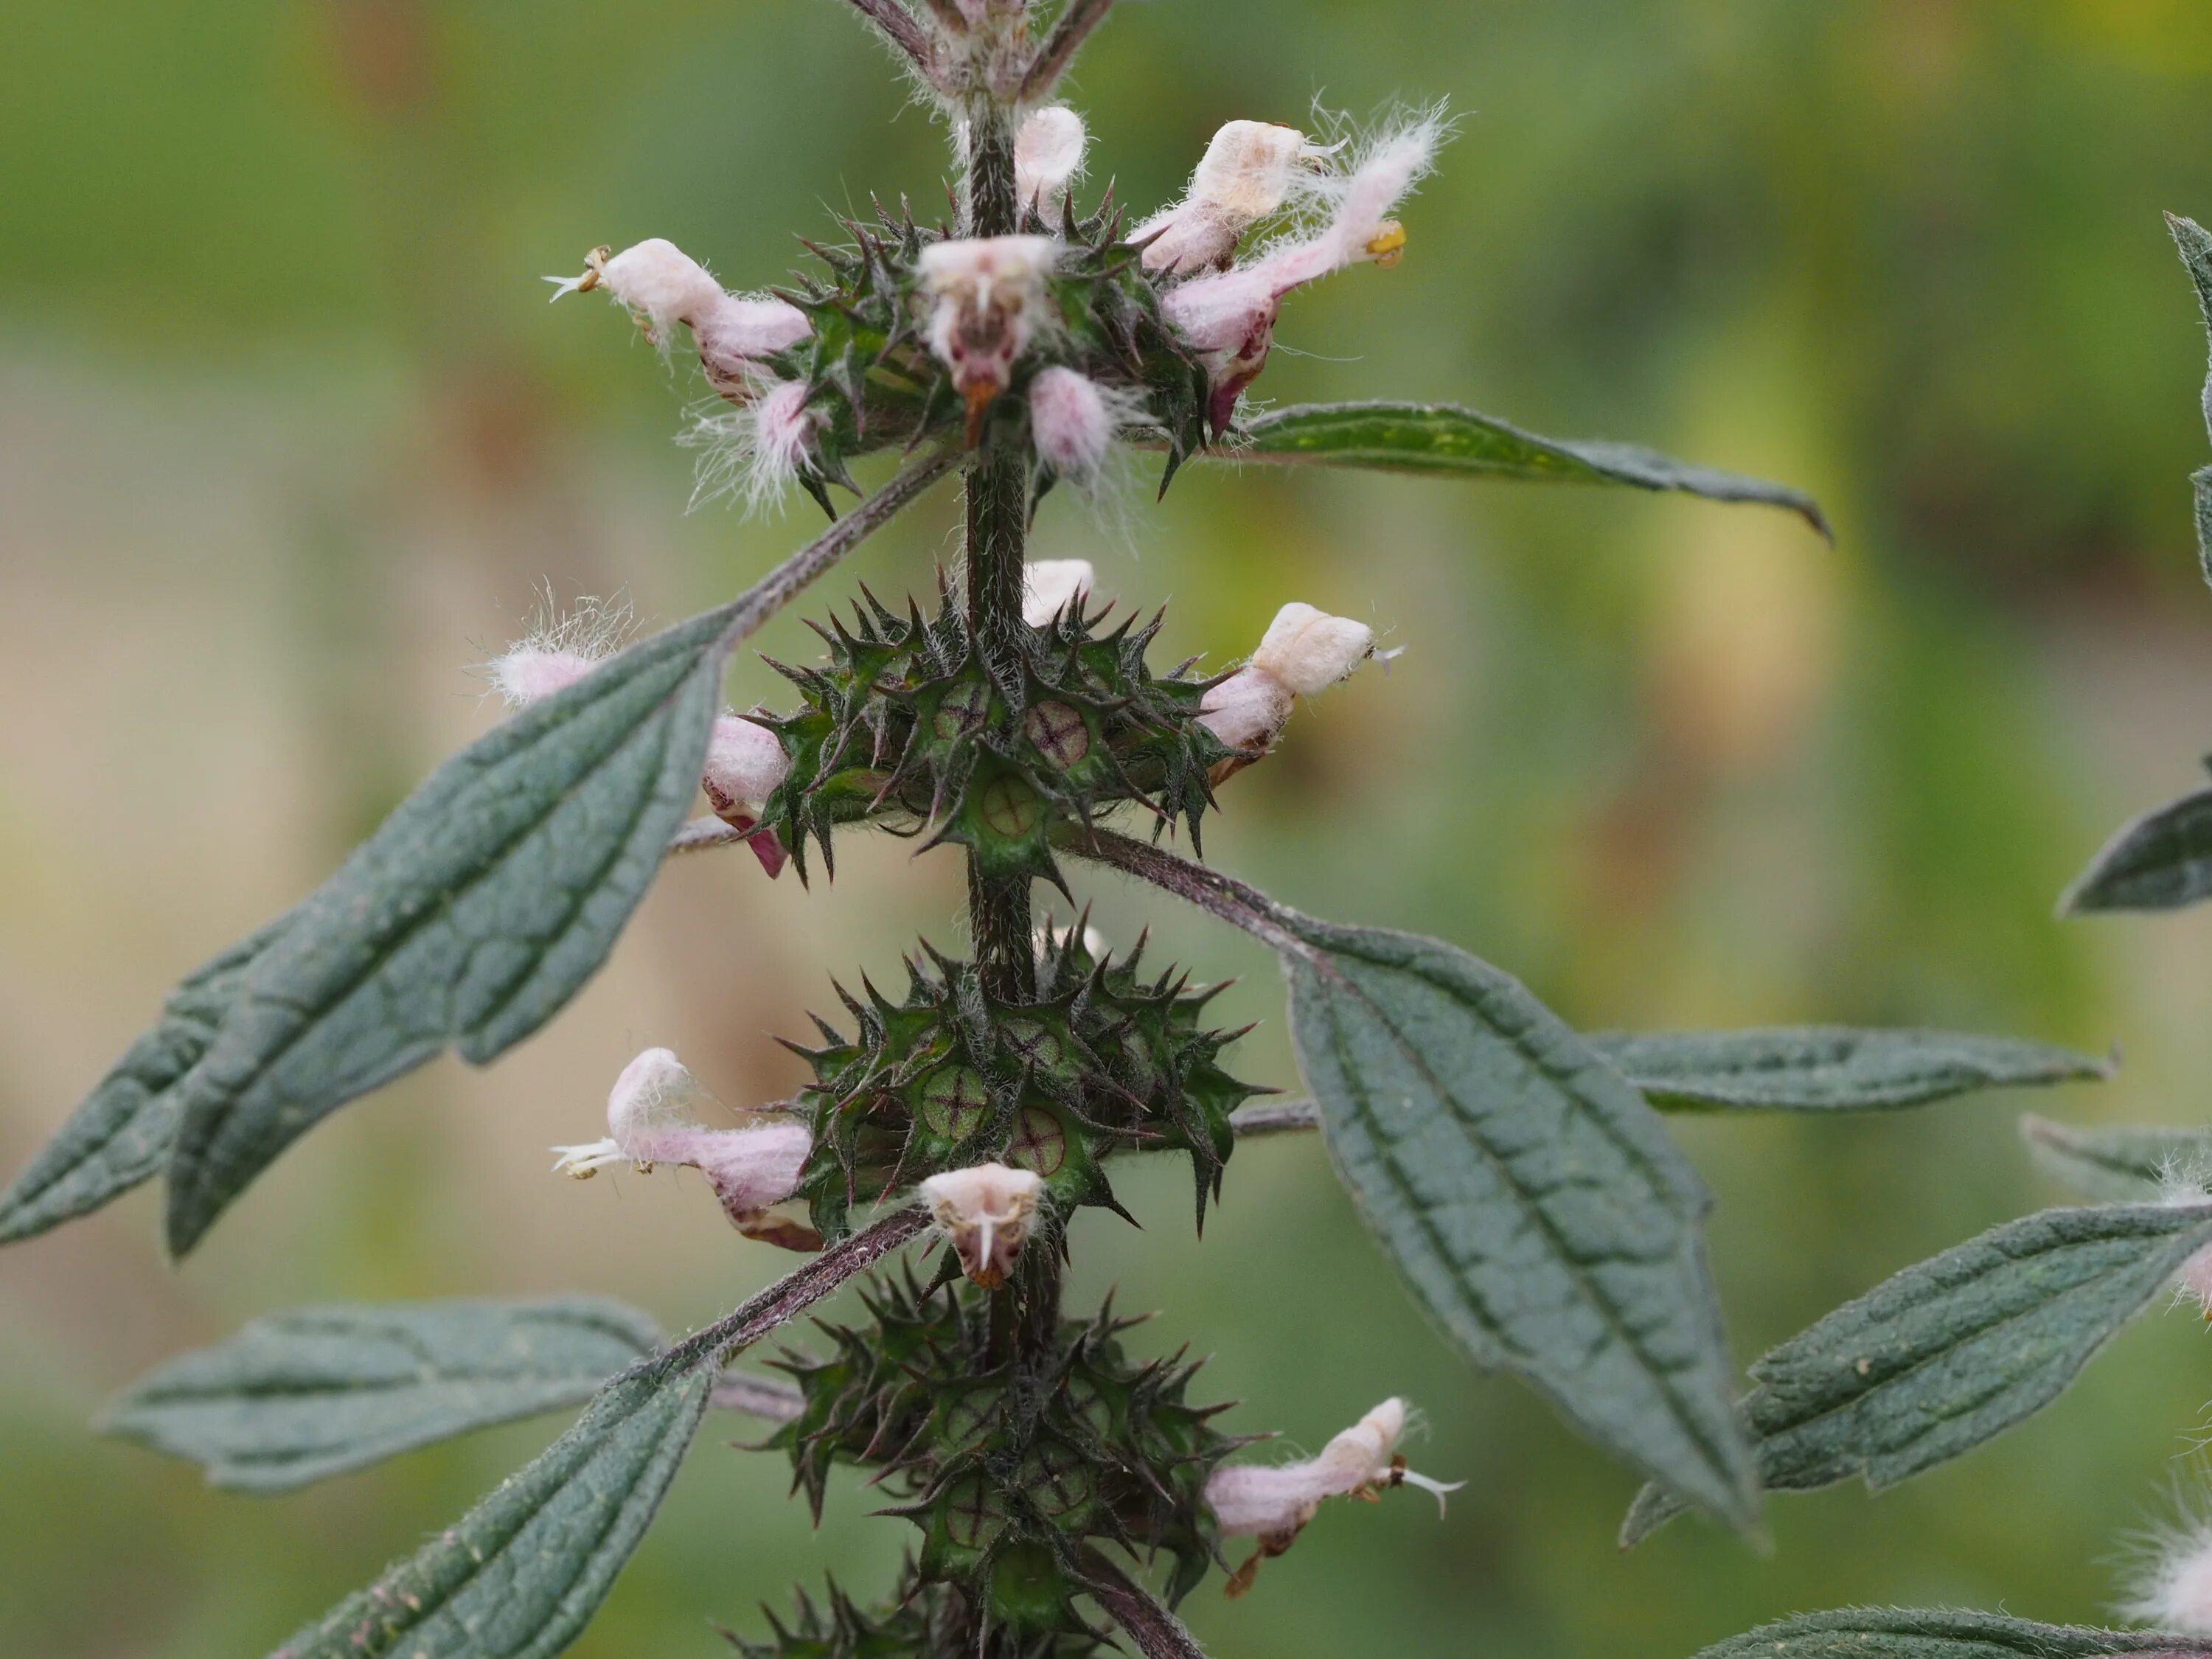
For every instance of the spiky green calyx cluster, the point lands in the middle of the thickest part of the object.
(1104, 1059)
(909, 725)
(1016, 1467)
(872, 383)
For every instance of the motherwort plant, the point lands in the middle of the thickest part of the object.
(1059, 1485)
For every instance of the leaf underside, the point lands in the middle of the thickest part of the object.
(1444, 440)
(520, 1576)
(301, 1396)
(1830, 1068)
(1940, 1633)
(2118, 1165)
(2160, 861)
(1530, 1195)
(121, 1133)
(1954, 1351)
(470, 918)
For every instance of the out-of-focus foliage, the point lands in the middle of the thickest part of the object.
(288, 434)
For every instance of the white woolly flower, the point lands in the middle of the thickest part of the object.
(755, 452)
(1051, 586)
(1249, 171)
(1229, 318)
(987, 296)
(1047, 157)
(1305, 651)
(745, 763)
(650, 1121)
(1273, 1504)
(985, 1213)
(558, 651)
(1074, 420)
(660, 284)
(2172, 1587)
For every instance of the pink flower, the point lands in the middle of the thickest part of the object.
(745, 763)
(2172, 1588)
(559, 651)
(1229, 320)
(1047, 157)
(985, 1211)
(649, 1122)
(1050, 586)
(1305, 651)
(1073, 421)
(1248, 171)
(1274, 1504)
(661, 285)
(987, 296)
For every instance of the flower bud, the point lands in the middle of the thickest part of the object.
(1309, 651)
(531, 673)
(1305, 651)
(1274, 1504)
(1047, 157)
(1072, 421)
(649, 1122)
(985, 1211)
(1246, 174)
(559, 651)
(745, 763)
(1050, 586)
(988, 295)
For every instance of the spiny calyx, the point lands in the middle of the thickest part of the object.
(1104, 1059)
(910, 725)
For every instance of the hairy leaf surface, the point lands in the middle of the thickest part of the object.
(520, 1576)
(1530, 1195)
(121, 1133)
(1940, 1633)
(1446, 441)
(2119, 1165)
(298, 1396)
(1953, 1350)
(1825, 1068)
(2160, 861)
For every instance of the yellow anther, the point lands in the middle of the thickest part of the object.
(1389, 243)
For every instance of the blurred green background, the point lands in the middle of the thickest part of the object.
(289, 439)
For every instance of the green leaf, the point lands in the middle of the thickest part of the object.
(299, 1396)
(2201, 481)
(1828, 1068)
(521, 1574)
(2118, 1166)
(470, 918)
(1446, 442)
(1530, 1195)
(1940, 1633)
(2161, 861)
(1953, 1350)
(2195, 245)
(121, 1133)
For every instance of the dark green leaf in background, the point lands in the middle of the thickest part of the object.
(520, 1575)
(121, 1133)
(1530, 1195)
(313, 1392)
(2117, 1165)
(1825, 1068)
(1940, 1633)
(2161, 861)
(1444, 441)
(1953, 1350)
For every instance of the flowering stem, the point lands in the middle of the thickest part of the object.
(897, 24)
(1067, 37)
(998, 523)
(1158, 1633)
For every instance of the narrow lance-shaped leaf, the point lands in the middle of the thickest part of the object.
(2160, 861)
(485, 902)
(1825, 1068)
(2118, 1165)
(313, 1392)
(1531, 1196)
(521, 1574)
(1444, 441)
(2195, 244)
(120, 1134)
(1954, 1351)
(1943, 1633)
